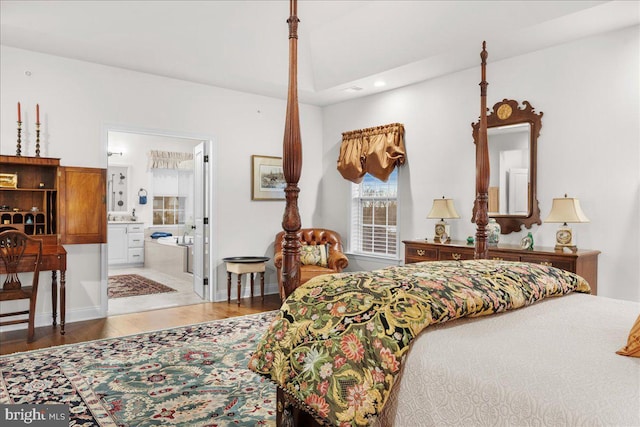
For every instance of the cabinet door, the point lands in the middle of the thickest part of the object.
(82, 205)
(118, 244)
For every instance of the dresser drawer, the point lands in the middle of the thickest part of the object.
(448, 254)
(503, 257)
(564, 264)
(418, 254)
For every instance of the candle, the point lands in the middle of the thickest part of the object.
(38, 113)
(19, 112)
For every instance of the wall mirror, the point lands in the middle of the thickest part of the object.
(512, 137)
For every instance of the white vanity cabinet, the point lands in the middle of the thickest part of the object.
(126, 243)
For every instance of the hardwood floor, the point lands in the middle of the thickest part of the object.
(127, 324)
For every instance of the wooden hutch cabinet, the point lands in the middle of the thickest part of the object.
(583, 262)
(59, 204)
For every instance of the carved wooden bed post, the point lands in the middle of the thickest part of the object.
(292, 165)
(482, 167)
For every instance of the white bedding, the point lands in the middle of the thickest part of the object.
(550, 364)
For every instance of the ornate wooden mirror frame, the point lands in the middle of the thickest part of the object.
(505, 113)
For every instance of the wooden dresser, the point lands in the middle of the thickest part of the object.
(584, 262)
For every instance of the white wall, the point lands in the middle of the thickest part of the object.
(588, 147)
(78, 100)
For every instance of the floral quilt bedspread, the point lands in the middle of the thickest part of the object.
(338, 341)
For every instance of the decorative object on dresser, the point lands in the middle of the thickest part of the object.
(8, 180)
(583, 262)
(565, 210)
(19, 142)
(527, 242)
(493, 232)
(37, 130)
(443, 209)
(512, 140)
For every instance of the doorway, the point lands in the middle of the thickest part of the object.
(155, 196)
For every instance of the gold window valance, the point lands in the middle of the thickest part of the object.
(375, 151)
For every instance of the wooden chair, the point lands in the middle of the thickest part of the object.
(20, 253)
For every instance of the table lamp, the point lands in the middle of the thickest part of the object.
(443, 209)
(566, 210)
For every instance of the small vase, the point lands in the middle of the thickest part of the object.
(493, 232)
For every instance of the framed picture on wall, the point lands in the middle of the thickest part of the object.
(267, 181)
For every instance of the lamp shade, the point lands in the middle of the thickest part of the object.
(566, 209)
(443, 208)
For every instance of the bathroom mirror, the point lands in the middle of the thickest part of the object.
(512, 137)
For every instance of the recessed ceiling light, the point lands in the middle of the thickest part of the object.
(353, 89)
(379, 83)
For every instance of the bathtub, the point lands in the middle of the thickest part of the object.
(166, 255)
(176, 240)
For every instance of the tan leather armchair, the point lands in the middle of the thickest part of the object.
(336, 260)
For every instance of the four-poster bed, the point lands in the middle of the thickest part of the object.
(347, 348)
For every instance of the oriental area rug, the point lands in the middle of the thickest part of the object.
(131, 285)
(189, 376)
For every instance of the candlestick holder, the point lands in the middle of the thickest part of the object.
(18, 146)
(37, 139)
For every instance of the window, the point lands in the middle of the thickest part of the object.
(172, 196)
(374, 213)
(168, 210)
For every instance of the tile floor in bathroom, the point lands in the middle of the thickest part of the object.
(184, 296)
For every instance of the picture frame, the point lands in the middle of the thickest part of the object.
(267, 178)
(8, 180)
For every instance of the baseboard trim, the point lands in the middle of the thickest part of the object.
(45, 319)
(221, 294)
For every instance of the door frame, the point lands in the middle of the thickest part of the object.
(210, 206)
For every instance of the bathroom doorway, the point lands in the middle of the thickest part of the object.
(151, 199)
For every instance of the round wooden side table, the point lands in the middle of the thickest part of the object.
(242, 265)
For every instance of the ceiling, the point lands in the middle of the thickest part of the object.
(343, 45)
